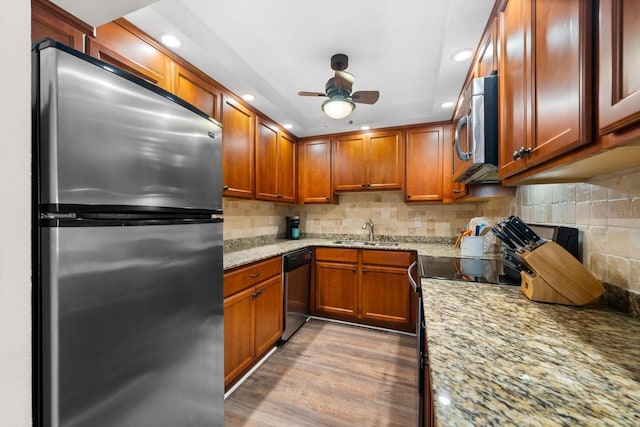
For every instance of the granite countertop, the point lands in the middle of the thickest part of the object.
(247, 256)
(497, 358)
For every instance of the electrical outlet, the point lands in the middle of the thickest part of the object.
(418, 221)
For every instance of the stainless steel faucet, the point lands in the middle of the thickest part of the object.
(370, 225)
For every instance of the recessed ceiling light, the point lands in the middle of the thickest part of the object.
(365, 127)
(169, 40)
(248, 97)
(447, 104)
(288, 126)
(462, 55)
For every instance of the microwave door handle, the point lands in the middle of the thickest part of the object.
(464, 156)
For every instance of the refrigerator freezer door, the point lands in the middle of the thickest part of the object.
(107, 141)
(133, 326)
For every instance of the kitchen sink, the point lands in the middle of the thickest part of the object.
(365, 243)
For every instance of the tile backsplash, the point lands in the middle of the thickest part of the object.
(606, 210)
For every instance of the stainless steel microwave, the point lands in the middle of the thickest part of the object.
(475, 151)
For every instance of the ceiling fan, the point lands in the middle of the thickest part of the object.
(341, 101)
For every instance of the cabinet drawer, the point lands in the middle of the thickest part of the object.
(242, 277)
(387, 258)
(333, 254)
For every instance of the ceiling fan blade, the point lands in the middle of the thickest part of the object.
(303, 93)
(344, 80)
(365, 96)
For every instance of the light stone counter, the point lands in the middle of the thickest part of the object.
(498, 359)
(247, 256)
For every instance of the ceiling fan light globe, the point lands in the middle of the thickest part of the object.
(338, 108)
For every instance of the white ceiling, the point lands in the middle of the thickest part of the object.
(275, 48)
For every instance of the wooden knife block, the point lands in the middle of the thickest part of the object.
(559, 277)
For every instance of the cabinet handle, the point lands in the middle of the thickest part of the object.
(225, 187)
(256, 294)
(521, 153)
(254, 275)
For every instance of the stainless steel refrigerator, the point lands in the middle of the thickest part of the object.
(128, 313)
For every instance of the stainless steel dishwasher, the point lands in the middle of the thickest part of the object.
(297, 276)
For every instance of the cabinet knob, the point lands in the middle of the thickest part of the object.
(408, 196)
(516, 155)
(457, 191)
(364, 270)
(364, 184)
(254, 275)
(354, 270)
(327, 197)
(225, 188)
(368, 184)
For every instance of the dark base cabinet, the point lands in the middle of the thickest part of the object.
(364, 286)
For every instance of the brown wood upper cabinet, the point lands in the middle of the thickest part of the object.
(424, 164)
(123, 45)
(314, 171)
(619, 62)
(487, 61)
(50, 21)
(545, 81)
(369, 161)
(275, 164)
(197, 90)
(238, 133)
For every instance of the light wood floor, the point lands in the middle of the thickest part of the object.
(331, 374)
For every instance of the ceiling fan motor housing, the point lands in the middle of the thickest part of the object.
(332, 91)
(339, 62)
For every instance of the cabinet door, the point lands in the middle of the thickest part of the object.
(48, 20)
(350, 163)
(514, 85)
(121, 44)
(237, 149)
(386, 296)
(336, 289)
(562, 87)
(269, 314)
(386, 165)
(239, 321)
(266, 161)
(486, 63)
(286, 169)
(424, 164)
(197, 91)
(314, 179)
(619, 62)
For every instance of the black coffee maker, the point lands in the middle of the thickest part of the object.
(293, 227)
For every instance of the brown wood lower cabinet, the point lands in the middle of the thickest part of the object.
(364, 286)
(253, 314)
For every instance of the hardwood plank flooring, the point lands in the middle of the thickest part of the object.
(331, 374)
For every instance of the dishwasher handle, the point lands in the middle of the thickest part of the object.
(413, 283)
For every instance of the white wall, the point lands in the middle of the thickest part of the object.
(15, 232)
